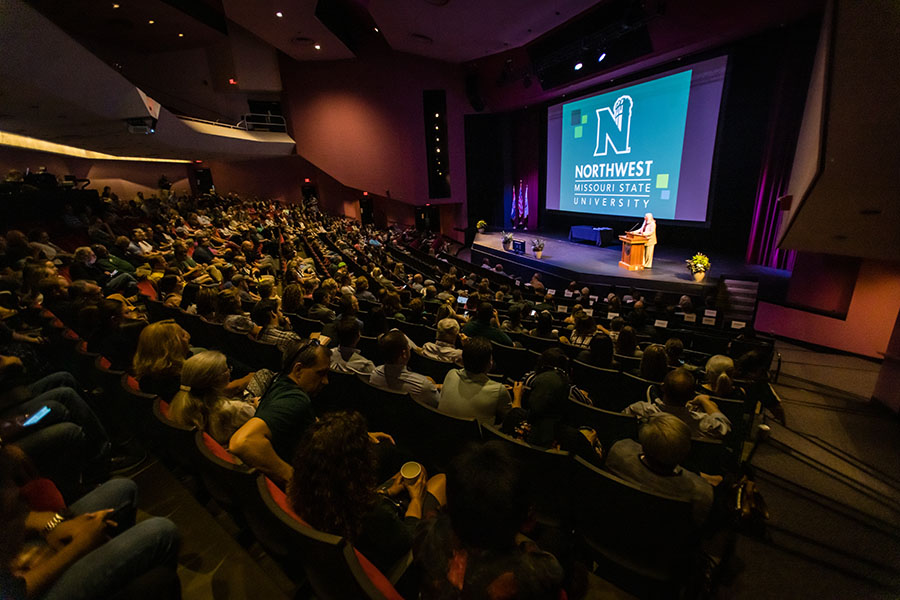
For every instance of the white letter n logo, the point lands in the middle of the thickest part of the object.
(614, 127)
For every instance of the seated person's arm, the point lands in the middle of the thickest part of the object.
(252, 443)
(238, 385)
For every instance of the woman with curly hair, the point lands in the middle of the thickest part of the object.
(334, 489)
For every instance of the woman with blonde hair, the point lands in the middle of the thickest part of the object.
(201, 399)
(161, 351)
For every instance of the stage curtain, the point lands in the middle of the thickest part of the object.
(778, 154)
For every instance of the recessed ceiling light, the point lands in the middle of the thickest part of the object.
(377, 30)
(151, 22)
(279, 14)
(578, 66)
(180, 35)
(318, 46)
(115, 6)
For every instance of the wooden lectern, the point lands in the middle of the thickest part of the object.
(632, 251)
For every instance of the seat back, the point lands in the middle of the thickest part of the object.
(334, 570)
(385, 410)
(537, 344)
(343, 392)
(627, 363)
(424, 365)
(641, 541)
(511, 361)
(418, 333)
(226, 479)
(176, 441)
(303, 326)
(610, 426)
(549, 474)
(368, 347)
(137, 406)
(713, 457)
(436, 437)
(634, 389)
(602, 385)
(207, 335)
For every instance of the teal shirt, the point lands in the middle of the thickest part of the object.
(475, 328)
(287, 411)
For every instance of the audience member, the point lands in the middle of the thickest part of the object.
(334, 489)
(700, 414)
(486, 324)
(201, 401)
(345, 358)
(444, 347)
(652, 462)
(395, 376)
(469, 393)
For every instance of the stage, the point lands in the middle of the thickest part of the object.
(565, 261)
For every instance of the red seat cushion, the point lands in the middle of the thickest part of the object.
(41, 495)
(164, 408)
(217, 449)
(375, 576)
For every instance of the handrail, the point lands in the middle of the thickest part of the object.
(247, 122)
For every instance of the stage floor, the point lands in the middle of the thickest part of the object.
(594, 264)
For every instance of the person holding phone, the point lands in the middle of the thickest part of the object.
(92, 549)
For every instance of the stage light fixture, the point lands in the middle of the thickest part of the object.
(151, 22)
(180, 35)
(578, 66)
(601, 57)
(377, 30)
(115, 6)
(317, 47)
(279, 14)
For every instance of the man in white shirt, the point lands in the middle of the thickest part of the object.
(393, 374)
(648, 230)
(468, 392)
(346, 358)
(444, 347)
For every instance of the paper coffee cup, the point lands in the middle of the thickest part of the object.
(410, 471)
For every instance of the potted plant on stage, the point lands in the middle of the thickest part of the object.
(698, 265)
(507, 240)
(537, 246)
(480, 225)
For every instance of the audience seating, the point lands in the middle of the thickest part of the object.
(513, 362)
(435, 438)
(641, 541)
(548, 473)
(436, 369)
(175, 441)
(633, 389)
(334, 569)
(610, 426)
(602, 385)
(303, 326)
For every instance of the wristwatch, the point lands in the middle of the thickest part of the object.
(52, 523)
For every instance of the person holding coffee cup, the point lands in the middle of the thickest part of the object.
(334, 488)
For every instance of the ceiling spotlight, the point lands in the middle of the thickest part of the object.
(151, 22)
(318, 46)
(180, 35)
(115, 6)
(279, 14)
(377, 30)
(601, 57)
(436, 115)
(578, 66)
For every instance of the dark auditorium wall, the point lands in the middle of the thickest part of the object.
(361, 122)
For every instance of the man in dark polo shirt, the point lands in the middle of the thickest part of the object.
(267, 441)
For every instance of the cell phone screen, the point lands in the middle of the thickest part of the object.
(43, 412)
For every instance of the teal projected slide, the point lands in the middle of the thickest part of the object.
(621, 152)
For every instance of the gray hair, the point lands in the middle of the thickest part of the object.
(666, 439)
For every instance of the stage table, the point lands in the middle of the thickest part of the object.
(600, 236)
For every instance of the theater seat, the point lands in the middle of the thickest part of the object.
(643, 542)
(175, 441)
(334, 569)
